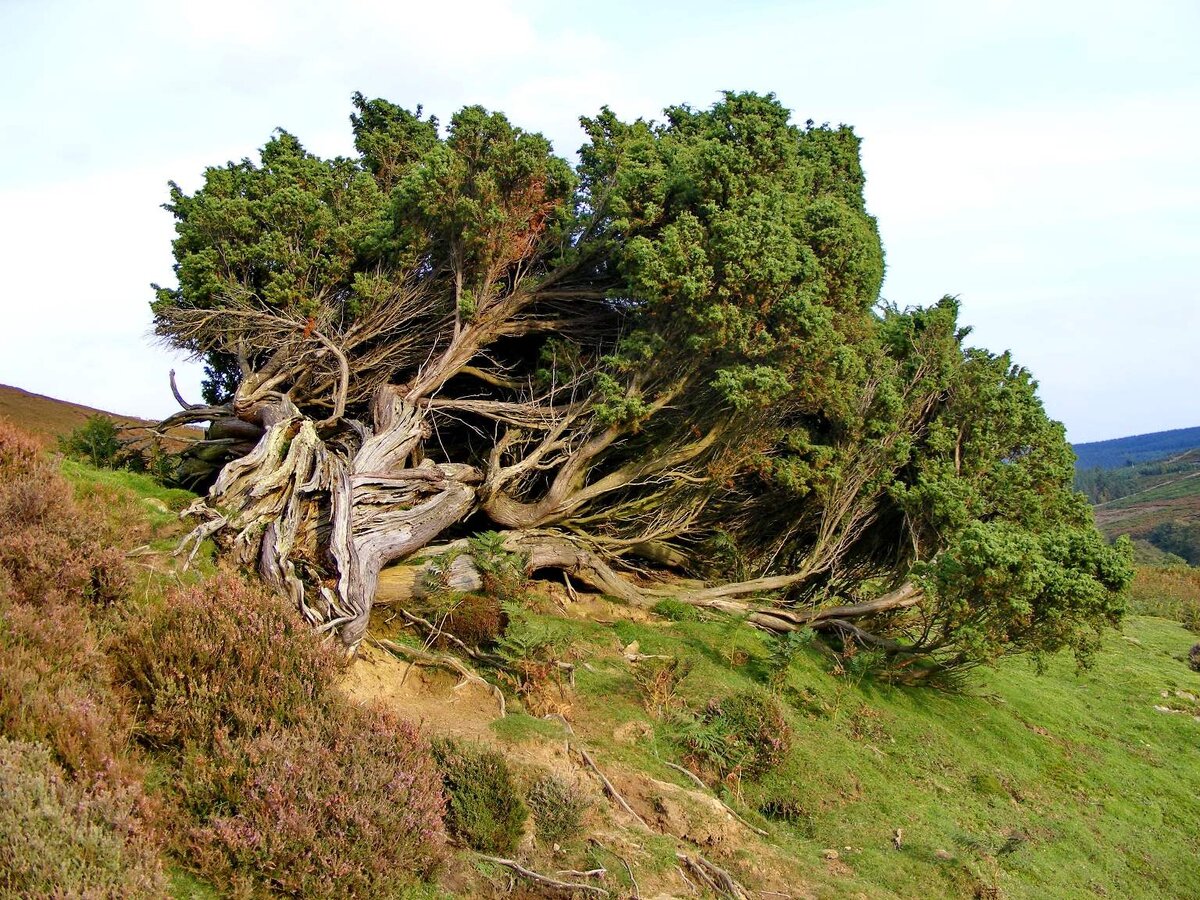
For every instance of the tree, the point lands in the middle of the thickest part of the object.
(670, 358)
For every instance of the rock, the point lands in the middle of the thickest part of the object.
(830, 853)
(943, 855)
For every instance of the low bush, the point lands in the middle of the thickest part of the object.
(346, 805)
(51, 546)
(58, 840)
(1194, 658)
(676, 610)
(97, 441)
(223, 656)
(658, 680)
(744, 735)
(483, 806)
(475, 619)
(558, 809)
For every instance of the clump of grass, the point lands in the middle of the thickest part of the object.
(676, 610)
(658, 680)
(58, 839)
(558, 809)
(484, 808)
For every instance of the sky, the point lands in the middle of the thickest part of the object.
(1039, 160)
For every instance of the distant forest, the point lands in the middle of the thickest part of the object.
(1139, 448)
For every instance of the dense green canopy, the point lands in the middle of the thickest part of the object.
(670, 361)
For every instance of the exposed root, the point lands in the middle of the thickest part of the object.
(610, 790)
(546, 880)
(443, 661)
(713, 876)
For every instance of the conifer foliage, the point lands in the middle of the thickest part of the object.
(671, 358)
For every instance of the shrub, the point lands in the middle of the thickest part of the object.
(57, 840)
(1194, 658)
(345, 805)
(50, 545)
(223, 656)
(96, 441)
(743, 735)
(484, 809)
(475, 619)
(558, 808)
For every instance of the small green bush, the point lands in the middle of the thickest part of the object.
(558, 809)
(96, 441)
(58, 840)
(743, 735)
(223, 656)
(484, 808)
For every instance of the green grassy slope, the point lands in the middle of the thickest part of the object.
(1063, 784)
(1058, 785)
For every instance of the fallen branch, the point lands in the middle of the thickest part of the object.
(546, 879)
(423, 658)
(610, 790)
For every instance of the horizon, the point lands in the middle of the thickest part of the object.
(1041, 165)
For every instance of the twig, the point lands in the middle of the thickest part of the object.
(610, 790)
(546, 879)
(421, 657)
(695, 779)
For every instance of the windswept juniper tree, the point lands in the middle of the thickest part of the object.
(670, 360)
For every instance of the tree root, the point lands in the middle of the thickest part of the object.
(610, 790)
(443, 661)
(546, 880)
(713, 876)
(695, 779)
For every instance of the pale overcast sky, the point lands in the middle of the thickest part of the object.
(1041, 160)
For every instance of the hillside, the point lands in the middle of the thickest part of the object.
(1019, 785)
(1138, 448)
(49, 419)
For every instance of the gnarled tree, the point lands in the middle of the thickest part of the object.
(670, 359)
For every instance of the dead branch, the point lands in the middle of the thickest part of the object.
(718, 880)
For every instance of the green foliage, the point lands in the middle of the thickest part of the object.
(784, 650)
(502, 571)
(1179, 538)
(1171, 592)
(96, 441)
(558, 809)
(484, 808)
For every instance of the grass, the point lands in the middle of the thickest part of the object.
(1064, 784)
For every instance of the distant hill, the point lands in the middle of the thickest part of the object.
(50, 419)
(1138, 448)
